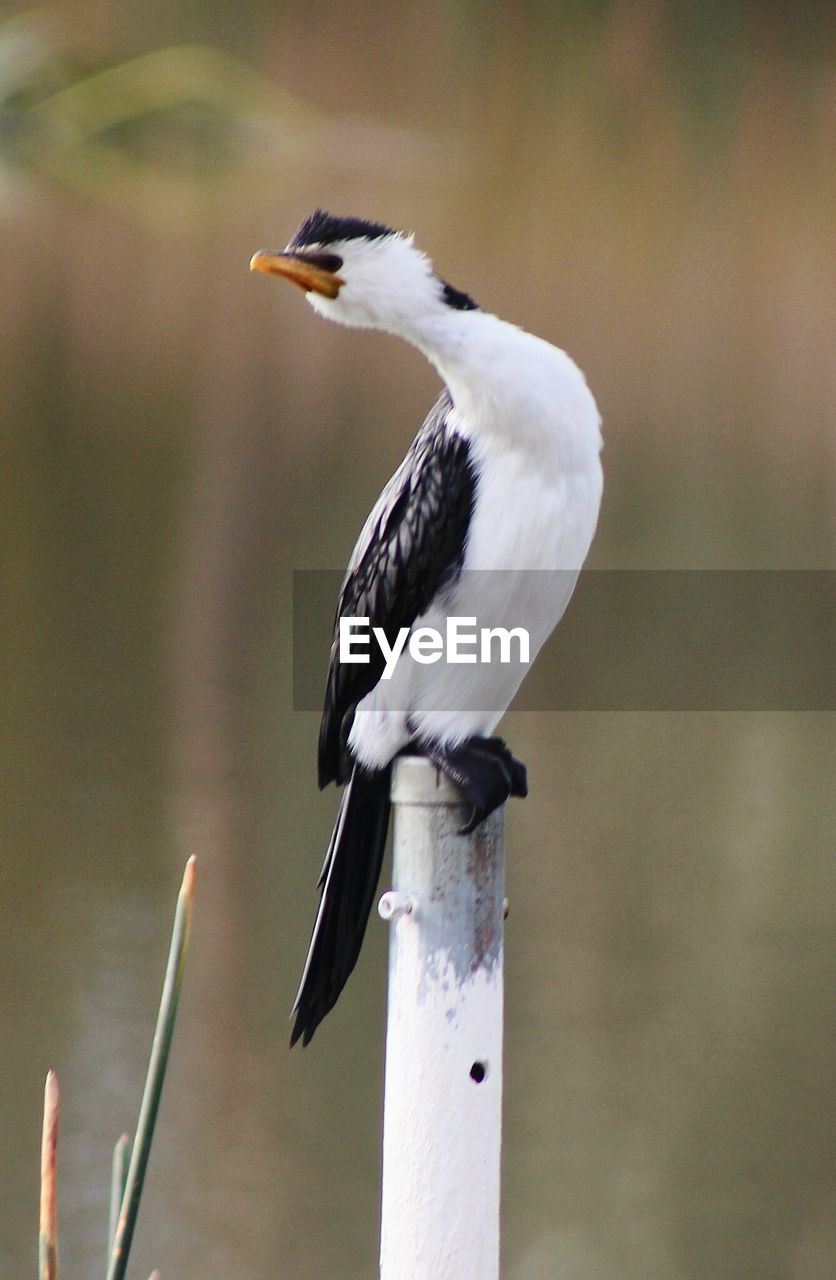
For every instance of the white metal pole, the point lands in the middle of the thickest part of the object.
(443, 1095)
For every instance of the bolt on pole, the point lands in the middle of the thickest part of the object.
(443, 1092)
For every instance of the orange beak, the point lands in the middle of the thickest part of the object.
(307, 275)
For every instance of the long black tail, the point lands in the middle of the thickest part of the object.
(348, 882)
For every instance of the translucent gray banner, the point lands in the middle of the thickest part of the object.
(630, 640)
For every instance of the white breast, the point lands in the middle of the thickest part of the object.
(534, 432)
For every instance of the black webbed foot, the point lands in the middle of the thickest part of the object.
(485, 771)
(516, 768)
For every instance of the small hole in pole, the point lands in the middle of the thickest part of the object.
(478, 1072)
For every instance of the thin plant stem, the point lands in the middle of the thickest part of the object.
(118, 1179)
(154, 1079)
(48, 1240)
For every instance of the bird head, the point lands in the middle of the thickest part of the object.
(362, 274)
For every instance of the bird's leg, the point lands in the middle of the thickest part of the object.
(485, 770)
(516, 768)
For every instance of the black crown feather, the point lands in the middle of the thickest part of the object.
(326, 228)
(323, 228)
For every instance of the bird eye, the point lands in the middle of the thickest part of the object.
(327, 261)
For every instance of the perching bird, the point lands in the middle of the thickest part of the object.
(505, 477)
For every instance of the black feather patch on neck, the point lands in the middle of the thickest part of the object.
(325, 228)
(457, 300)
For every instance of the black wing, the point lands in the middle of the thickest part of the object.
(411, 545)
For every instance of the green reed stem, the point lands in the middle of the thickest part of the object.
(118, 1179)
(129, 1208)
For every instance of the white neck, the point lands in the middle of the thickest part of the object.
(508, 384)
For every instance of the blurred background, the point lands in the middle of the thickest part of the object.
(648, 183)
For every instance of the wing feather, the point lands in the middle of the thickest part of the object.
(411, 545)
